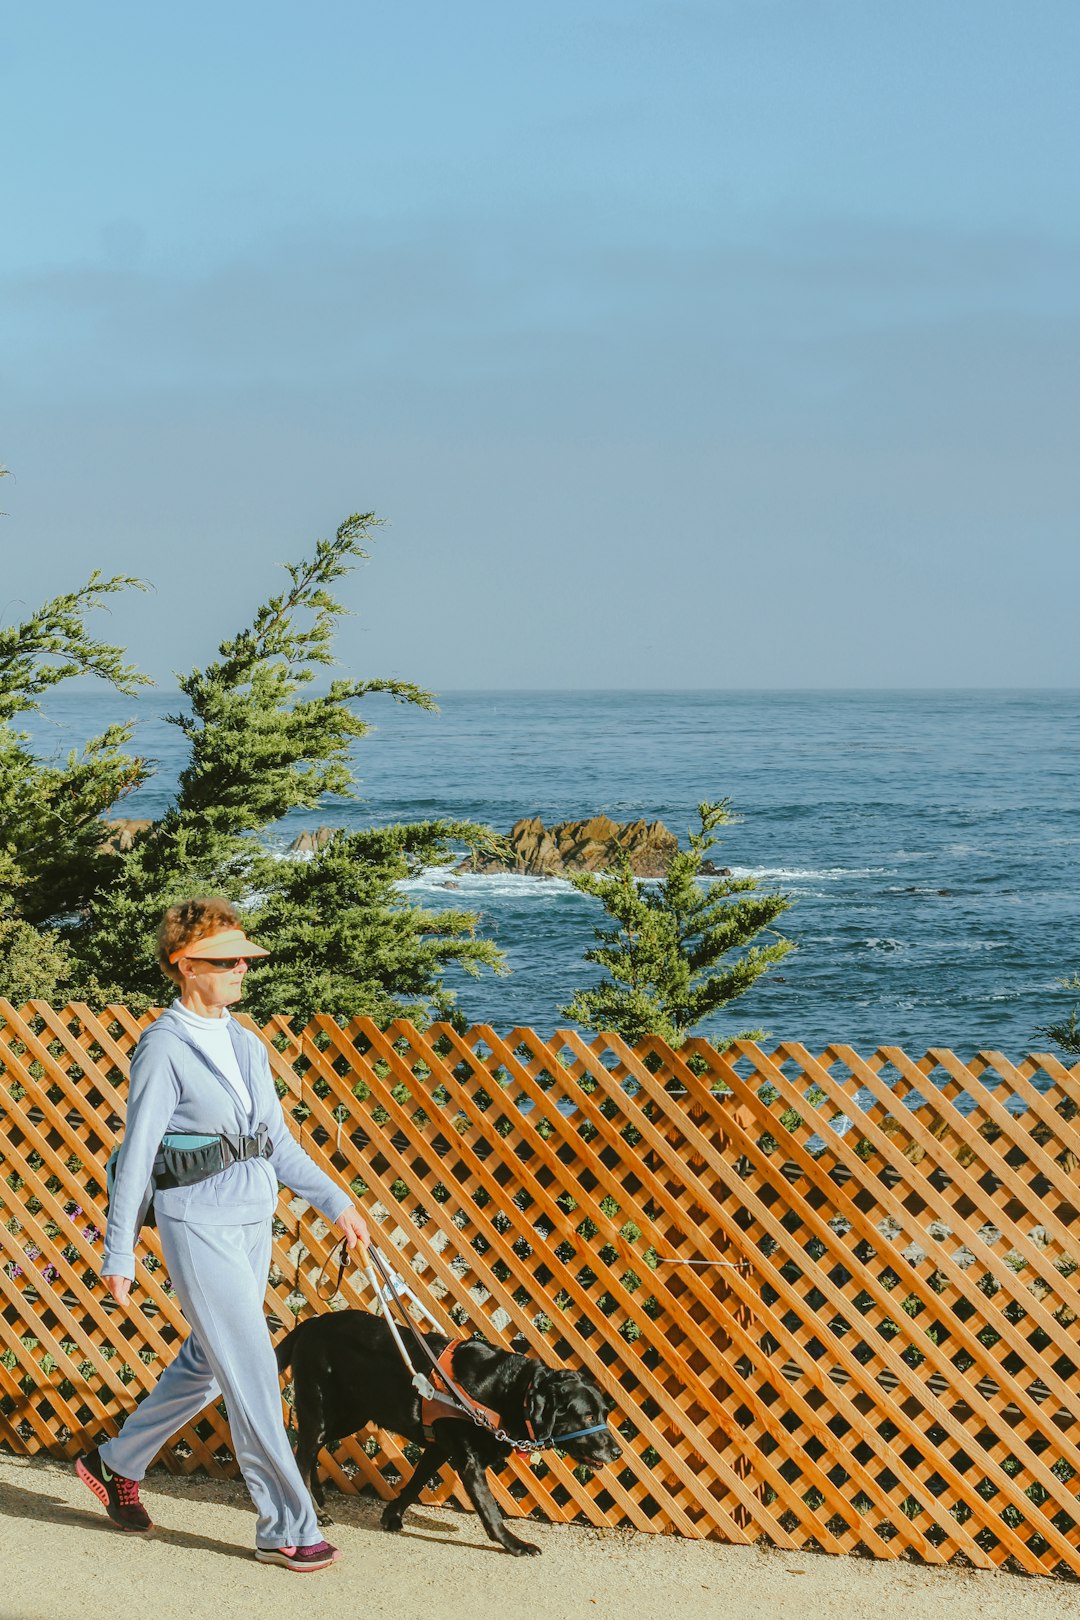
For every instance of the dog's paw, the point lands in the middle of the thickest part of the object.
(390, 1520)
(322, 1517)
(522, 1549)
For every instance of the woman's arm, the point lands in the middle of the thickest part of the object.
(153, 1094)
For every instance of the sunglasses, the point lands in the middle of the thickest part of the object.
(223, 963)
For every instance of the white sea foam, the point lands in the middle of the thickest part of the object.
(524, 886)
(795, 874)
(443, 883)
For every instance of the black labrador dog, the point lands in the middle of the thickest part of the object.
(347, 1372)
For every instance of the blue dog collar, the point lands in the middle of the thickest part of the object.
(578, 1434)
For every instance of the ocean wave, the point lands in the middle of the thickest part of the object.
(795, 874)
(527, 886)
(443, 881)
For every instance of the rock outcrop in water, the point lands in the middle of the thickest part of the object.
(308, 842)
(121, 833)
(583, 846)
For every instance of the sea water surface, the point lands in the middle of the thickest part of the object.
(929, 841)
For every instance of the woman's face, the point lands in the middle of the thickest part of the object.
(217, 984)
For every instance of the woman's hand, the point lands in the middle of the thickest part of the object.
(119, 1288)
(354, 1226)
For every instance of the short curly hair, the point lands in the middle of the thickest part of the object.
(183, 924)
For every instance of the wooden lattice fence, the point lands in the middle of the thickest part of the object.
(834, 1299)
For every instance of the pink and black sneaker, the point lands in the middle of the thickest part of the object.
(117, 1495)
(319, 1555)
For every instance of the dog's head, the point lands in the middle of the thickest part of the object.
(563, 1402)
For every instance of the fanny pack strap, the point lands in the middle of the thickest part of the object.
(238, 1148)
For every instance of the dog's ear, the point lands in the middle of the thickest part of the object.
(542, 1400)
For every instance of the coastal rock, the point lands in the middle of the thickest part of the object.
(309, 842)
(580, 846)
(121, 834)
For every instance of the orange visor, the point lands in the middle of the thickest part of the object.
(231, 942)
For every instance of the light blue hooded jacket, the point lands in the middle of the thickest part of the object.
(174, 1087)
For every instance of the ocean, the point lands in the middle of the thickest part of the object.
(929, 841)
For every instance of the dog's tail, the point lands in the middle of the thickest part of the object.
(284, 1350)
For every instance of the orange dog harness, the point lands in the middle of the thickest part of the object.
(445, 1381)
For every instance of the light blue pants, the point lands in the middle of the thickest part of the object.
(220, 1274)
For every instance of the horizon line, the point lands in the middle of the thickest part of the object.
(80, 685)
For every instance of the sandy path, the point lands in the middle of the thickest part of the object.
(60, 1559)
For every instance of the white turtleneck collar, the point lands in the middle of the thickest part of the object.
(212, 1036)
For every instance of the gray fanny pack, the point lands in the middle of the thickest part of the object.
(185, 1158)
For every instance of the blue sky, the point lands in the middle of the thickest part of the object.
(727, 344)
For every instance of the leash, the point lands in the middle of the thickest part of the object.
(326, 1298)
(400, 1284)
(385, 1282)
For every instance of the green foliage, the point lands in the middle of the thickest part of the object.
(50, 826)
(57, 631)
(671, 959)
(1065, 1035)
(36, 962)
(82, 918)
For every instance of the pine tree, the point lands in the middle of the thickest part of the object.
(345, 939)
(669, 960)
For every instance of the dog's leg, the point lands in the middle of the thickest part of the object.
(310, 1436)
(426, 1469)
(474, 1478)
(308, 1463)
(314, 1485)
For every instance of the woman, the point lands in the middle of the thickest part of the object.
(196, 1070)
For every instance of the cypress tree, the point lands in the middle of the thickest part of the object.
(671, 959)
